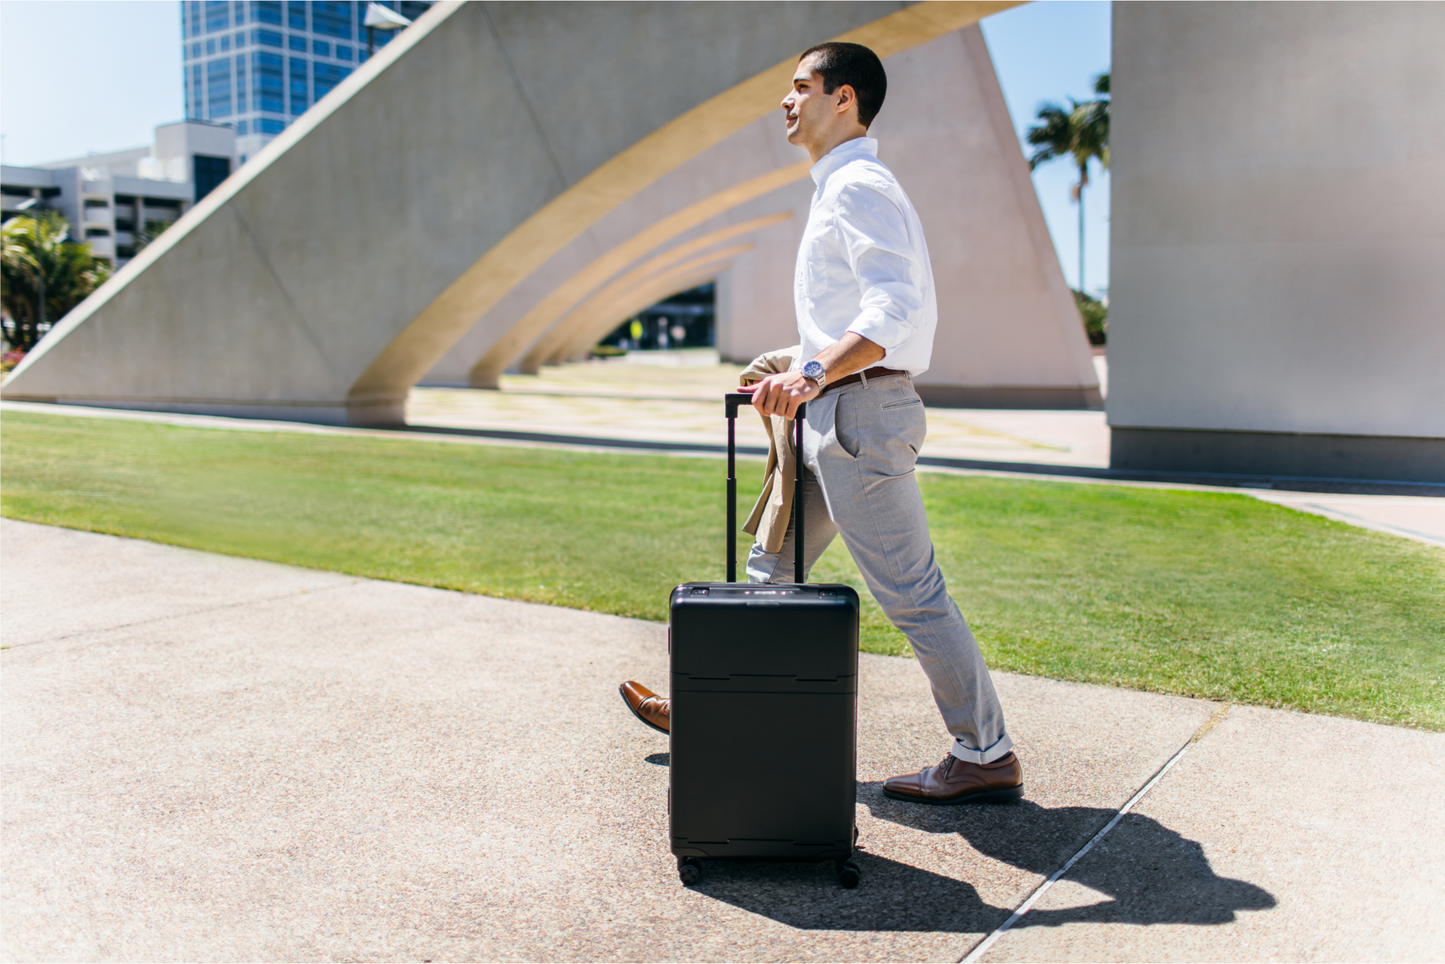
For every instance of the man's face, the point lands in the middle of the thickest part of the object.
(807, 109)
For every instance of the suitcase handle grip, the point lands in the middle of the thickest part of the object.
(733, 401)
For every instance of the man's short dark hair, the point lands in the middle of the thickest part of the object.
(858, 67)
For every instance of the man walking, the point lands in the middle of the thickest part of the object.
(864, 295)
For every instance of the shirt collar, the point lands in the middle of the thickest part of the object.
(842, 154)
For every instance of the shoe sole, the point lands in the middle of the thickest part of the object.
(622, 692)
(1006, 795)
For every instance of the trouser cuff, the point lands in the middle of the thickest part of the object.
(998, 751)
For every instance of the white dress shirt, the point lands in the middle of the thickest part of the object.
(863, 265)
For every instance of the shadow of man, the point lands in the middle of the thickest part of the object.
(1152, 874)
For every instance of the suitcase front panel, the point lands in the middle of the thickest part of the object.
(776, 779)
(764, 720)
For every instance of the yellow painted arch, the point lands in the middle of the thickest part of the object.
(560, 336)
(652, 294)
(488, 369)
(598, 316)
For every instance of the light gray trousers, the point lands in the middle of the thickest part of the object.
(860, 443)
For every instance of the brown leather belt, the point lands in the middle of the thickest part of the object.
(858, 377)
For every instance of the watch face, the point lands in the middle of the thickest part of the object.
(813, 370)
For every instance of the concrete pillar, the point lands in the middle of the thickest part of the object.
(1278, 233)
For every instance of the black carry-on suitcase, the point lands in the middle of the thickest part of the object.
(764, 729)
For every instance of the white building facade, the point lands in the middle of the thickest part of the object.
(119, 202)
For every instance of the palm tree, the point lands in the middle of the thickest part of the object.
(43, 275)
(1081, 133)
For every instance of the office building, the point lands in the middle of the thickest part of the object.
(121, 201)
(257, 65)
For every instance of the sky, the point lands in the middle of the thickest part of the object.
(78, 76)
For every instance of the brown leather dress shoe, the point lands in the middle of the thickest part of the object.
(957, 781)
(647, 706)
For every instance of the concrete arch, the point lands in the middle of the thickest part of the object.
(600, 315)
(328, 275)
(558, 339)
(486, 372)
(753, 151)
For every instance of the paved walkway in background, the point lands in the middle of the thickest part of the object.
(207, 758)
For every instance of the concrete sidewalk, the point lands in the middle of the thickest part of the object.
(216, 758)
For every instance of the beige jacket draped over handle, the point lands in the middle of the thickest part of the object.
(768, 521)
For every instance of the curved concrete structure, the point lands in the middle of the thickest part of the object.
(594, 321)
(329, 274)
(1009, 334)
(560, 340)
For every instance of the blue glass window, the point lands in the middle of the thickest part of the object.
(268, 90)
(195, 18)
(271, 126)
(218, 88)
(226, 42)
(218, 15)
(296, 43)
(241, 84)
(343, 52)
(267, 38)
(300, 88)
(240, 39)
(321, 47)
(241, 129)
(195, 50)
(210, 46)
(296, 14)
(266, 11)
(197, 95)
(238, 11)
(331, 19)
(328, 76)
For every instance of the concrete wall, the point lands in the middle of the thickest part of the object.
(1277, 300)
(328, 275)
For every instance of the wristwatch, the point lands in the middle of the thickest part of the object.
(814, 370)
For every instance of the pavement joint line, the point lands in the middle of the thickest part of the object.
(988, 942)
(193, 612)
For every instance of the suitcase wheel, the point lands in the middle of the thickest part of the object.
(848, 874)
(689, 870)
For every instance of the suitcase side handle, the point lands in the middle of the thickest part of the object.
(733, 401)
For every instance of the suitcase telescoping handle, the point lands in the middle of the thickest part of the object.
(734, 401)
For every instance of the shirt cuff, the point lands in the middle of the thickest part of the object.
(874, 325)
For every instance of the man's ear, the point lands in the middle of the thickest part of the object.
(847, 95)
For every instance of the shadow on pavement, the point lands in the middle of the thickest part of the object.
(1151, 874)
(1154, 875)
(892, 896)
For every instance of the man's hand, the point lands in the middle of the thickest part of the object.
(781, 394)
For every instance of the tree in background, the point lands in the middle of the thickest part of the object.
(1095, 315)
(1080, 133)
(43, 274)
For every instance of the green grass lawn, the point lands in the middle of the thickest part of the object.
(1194, 593)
